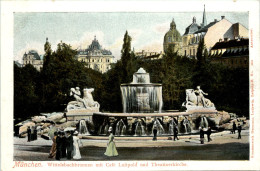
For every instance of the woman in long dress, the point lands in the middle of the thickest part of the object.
(111, 146)
(76, 141)
(52, 153)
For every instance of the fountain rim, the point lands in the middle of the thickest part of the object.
(142, 84)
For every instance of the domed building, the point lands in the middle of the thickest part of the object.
(95, 57)
(172, 37)
(33, 58)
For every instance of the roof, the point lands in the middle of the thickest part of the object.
(231, 43)
(94, 47)
(205, 29)
(192, 28)
(34, 53)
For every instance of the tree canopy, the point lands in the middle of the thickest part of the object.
(48, 90)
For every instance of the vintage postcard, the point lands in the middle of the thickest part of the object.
(122, 85)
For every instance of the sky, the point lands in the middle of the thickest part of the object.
(78, 29)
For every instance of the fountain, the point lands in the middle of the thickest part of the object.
(120, 128)
(141, 96)
(83, 130)
(142, 111)
(203, 122)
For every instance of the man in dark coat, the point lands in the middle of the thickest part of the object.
(239, 128)
(175, 133)
(69, 145)
(63, 145)
(234, 127)
(208, 134)
(29, 133)
(201, 135)
(35, 133)
(58, 146)
(155, 133)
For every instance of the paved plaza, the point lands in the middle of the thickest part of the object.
(225, 146)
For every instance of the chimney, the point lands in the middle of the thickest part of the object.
(222, 17)
(215, 20)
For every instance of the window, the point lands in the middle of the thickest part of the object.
(169, 39)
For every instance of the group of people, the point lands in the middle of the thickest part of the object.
(239, 128)
(65, 145)
(31, 133)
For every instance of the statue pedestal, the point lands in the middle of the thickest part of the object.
(78, 114)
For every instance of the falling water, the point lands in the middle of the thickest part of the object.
(204, 122)
(139, 129)
(141, 96)
(83, 128)
(171, 126)
(160, 129)
(120, 128)
(186, 125)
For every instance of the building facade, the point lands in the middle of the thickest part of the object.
(212, 33)
(144, 55)
(95, 57)
(232, 53)
(172, 38)
(33, 58)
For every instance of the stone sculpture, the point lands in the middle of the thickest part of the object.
(87, 102)
(88, 98)
(195, 99)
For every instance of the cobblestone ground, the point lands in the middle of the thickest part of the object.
(225, 146)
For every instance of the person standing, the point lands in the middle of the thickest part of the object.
(53, 147)
(29, 133)
(111, 146)
(154, 133)
(35, 133)
(175, 133)
(69, 146)
(234, 127)
(63, 145)
(201, 135)
(58, 147)
(209, 133)
(239, 128)
(76, 141)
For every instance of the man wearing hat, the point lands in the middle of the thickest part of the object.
(63, 145)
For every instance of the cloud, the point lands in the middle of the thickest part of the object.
(154, 46)
(86, 40)
(161, 28)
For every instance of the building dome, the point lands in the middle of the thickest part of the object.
(172, 36)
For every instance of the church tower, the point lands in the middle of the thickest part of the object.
(204, 20)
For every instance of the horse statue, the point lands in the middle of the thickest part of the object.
(88, 98)
(192, 100)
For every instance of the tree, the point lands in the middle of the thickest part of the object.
(62, 73)
(26, 100)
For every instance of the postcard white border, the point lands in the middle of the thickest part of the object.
(9, 7)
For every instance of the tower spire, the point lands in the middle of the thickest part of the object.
(204, 20)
